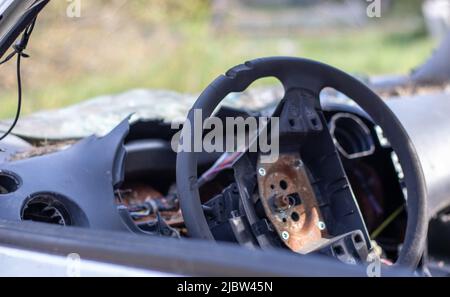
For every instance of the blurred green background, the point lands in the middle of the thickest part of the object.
(117, 45)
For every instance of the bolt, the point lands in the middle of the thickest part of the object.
(321, 225)
(285, 235)
(262, 171)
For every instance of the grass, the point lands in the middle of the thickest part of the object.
(75, 60)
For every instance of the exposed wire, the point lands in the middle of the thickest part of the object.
(18, 49)
(386, 222)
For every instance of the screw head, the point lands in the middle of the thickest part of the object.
(321, 225)
(298, 164)
(285, 235)
(262, 171)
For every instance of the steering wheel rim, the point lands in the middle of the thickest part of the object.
(314, 76)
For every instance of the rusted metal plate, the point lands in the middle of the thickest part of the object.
(290, 203)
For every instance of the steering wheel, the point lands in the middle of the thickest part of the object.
(297, 73)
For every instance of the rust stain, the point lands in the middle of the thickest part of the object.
(290, 203)
(138, 193)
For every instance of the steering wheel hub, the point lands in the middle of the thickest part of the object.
(290, 203)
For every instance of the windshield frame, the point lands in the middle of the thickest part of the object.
(15, 17)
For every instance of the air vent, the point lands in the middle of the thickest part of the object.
(46, 208)
(8, 183)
